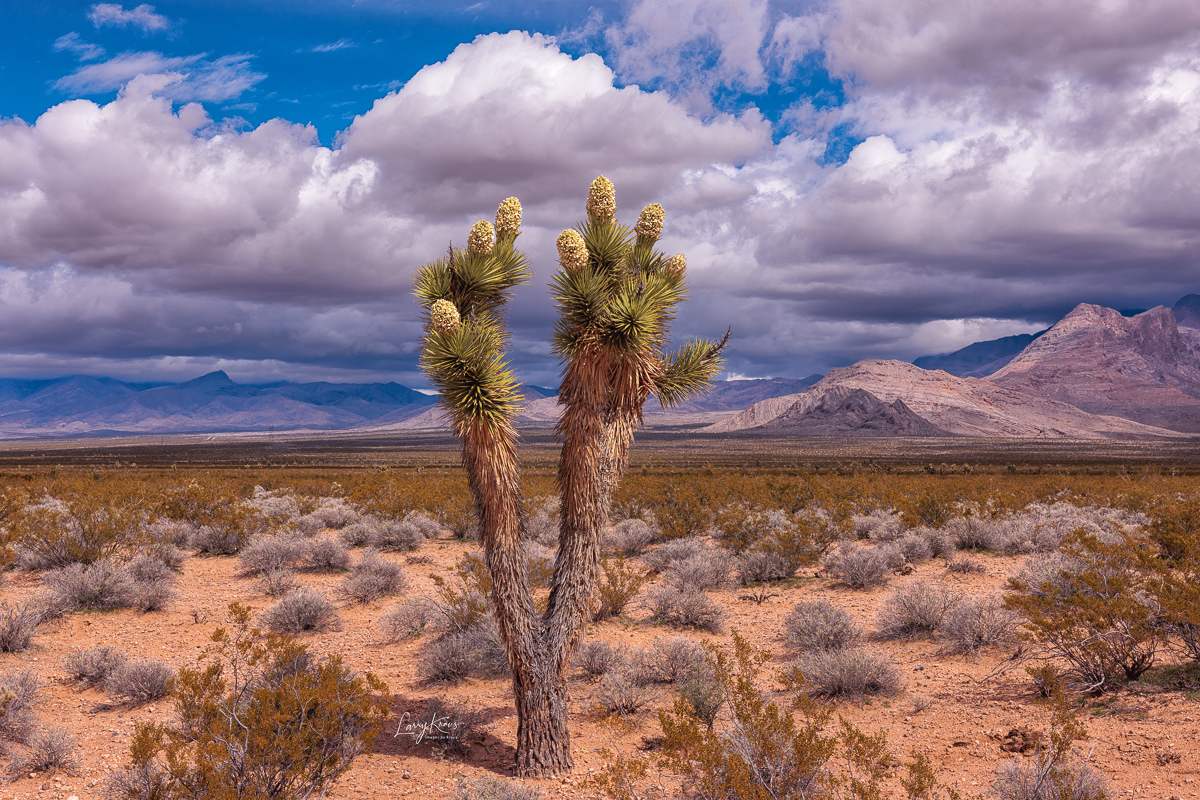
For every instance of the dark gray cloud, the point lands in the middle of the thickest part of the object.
(1016, 159)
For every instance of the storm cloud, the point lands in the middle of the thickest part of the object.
(1009, 161)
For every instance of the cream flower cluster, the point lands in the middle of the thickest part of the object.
(676, 265)
(508, 217)
(650, 222)
(444, 318)
(602, 199)
(572, 251)
(481, 239)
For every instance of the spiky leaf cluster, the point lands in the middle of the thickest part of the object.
(616, 310)
(464, 361)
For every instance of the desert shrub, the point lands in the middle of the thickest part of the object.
(941, 544)
(819, 625)
(879, 525)
(19, 690)
(596, 658)
(166, 553)
(686, 609)
(101, 585)
(619, 693)
(266, 553)
(147, 569)
(152, 595)
(667, 660)
(542, 528)
(259, 717)
(332, 513)
(857, 567)
(915, 610)
(1174, 526)
(406, 620)
(704, 571)
(373, 577)
(915, 548)
(138, 682)
(223, 521)
(629, 537)
(86, 524)
(764, 751)
(301, 611)
(1048, 576)
(491, 787)
(891, 554)
(851, 671)
(277, 507)
(791, 539)
(976, 533)
(326, 553)
(1097, 613)
(402, 536)
(931, 507)
(666, 554)
(216, 540)
(18, 623)
(1030, 781)
(619, 583)
(974, 624)
(762, 567)
(94, 665)
(703, 693)
(961, 565)
(456, 655)
(278, 582)
(47, 749)
(359, 533)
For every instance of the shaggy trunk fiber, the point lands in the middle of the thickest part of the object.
(539, 687)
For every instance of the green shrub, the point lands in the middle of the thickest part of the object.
(619, 583)
(258, 717)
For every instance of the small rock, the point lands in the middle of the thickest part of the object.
(406, 776)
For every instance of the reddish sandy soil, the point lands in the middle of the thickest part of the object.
(952, 707)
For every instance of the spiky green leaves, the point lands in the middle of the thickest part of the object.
(602, 201)
(688, 371)
(474, 384)
(572, 251)
(508, 218)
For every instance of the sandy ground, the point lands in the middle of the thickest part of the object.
(1144, 740)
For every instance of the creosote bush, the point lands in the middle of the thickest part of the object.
(619, 583)
(259, 717)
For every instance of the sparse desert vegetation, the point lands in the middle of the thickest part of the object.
(983, 590)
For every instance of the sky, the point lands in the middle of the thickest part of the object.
(192, 186)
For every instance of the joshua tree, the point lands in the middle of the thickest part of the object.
(616, 296)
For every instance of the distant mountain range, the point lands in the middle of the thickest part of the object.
(1097, 373)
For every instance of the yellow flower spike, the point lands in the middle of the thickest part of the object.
(444, 318)
(481, 239)
(676, 265)
(508, 217)
(650, 223)
(602, 200)
(572, 251)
